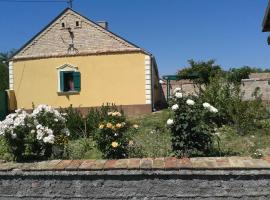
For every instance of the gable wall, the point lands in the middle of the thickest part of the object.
(115, 78)
(88, 38)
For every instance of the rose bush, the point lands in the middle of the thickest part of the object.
(112, 138)
(38, 135)
(191, 125)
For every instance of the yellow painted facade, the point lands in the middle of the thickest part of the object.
(113, 78)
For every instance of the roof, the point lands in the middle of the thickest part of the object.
(25, 52)
(266, 20)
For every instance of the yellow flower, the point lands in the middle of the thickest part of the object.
(109, 125)
(118, 125)
(123, 124)
(130, 143)
(113, 128)
(135, 126)
(110, 113)
(116, 114)
(115, 144)
(101, 126)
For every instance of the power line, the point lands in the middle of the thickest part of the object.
(34, 1)
(69, 2)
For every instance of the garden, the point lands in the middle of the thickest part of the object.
(215, 121)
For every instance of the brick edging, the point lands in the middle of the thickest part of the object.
(169, 163)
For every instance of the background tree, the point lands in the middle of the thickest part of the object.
(204, 69)
(235, 75)
(4, 57)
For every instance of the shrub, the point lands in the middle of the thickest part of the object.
(112, 138)
(191, 126)
(85, 126)
(39, 135)
(74, 122)
(227, 97)
(83, 148)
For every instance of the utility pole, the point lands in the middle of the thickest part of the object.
(69, 3)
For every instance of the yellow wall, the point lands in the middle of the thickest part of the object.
(112, 78)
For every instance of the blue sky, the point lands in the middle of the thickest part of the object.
(173, 30)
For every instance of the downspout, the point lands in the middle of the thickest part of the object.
(152, 84)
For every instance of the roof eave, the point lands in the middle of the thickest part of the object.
(266, 19)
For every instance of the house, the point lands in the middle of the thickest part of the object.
(266, 22)
(75, 61)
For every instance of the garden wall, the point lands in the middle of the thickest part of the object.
(161, 178)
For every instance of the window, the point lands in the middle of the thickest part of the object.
(63, 25)
(78, 24)
(70, 81)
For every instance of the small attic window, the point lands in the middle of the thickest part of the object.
(78, 24)
(63, 25)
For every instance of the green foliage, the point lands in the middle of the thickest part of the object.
(4, 150)
(235, 75)
(204, 69)
(4, 79)
(112, 138)
(86, 126)
(83, 148)
(74, 122)
(227, 97)
(221, 93)
(247, 116)
(152, 139)
(191, 126)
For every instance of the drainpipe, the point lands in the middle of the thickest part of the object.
(152, 83)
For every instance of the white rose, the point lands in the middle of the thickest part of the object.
(213, 109)
(169, 122)
(190, 102)
(175, 107)
(178, 95)
(206, 105)
(49, 139)
(161, 81)
(13, 135)
(56, 120)
(176, 90)
(33, 131)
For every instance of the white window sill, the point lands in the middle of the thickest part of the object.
(68, 93)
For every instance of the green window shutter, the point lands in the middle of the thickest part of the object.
(62, 81)
(77, 81)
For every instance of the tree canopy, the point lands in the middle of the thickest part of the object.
(204, 69)
(208, 69)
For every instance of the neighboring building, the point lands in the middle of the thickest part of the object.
(256, 81)
(266, 22)
(74, 61)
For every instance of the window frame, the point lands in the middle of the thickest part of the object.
(65, 68)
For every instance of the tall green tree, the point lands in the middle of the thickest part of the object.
(204, 69)
(4, 78)
(3, 73)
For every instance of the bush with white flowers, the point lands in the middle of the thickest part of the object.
(191, 125)
(35, 135)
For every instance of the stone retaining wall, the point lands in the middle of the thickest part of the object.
(161, 178)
